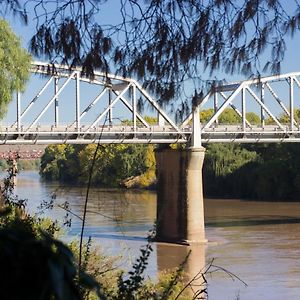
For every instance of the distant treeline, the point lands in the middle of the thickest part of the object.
(252, 171)
(260, 171)
(23, 164)
(113, 164)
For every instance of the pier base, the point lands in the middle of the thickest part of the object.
(180, 210)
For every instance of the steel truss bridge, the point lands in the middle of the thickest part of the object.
(62, 106)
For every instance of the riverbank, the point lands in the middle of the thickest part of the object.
(260, 172)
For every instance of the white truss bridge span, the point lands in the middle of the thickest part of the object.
(62, 106)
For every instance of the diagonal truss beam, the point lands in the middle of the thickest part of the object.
(279, 101)
(110, 106)
(156, 106)
(264, 107)
(236, 110)
(129, 106)
(52, 100)
(190, 117)
(35, 99)
(223, 106)
(94, 102)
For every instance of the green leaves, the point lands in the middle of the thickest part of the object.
(14, 65)
(113, 164)
(261, 171)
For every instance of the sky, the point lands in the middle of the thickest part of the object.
(291, 61)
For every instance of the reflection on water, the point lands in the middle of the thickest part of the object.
(257, 241)
(192, 258)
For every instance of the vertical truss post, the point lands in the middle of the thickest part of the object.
(77, 102)
(110, 115)
(262, 99)
(291, 84)
(133, 92)
(18, 111)
(216, 105)
(161, 120)
(196, 132)
(56, 102)
(243, 93)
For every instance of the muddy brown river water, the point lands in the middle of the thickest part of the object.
(259, 242)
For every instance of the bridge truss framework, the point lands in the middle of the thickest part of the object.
(112, 90)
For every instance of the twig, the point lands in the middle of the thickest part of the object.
(87, 196)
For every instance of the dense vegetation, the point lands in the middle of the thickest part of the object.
(254, 171)
(14, 64)
(23, 164)
(268, 172)
(113, 164)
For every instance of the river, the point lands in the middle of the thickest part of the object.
(257, 241)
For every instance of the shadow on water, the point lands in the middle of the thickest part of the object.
(116, 237)
(254, 222)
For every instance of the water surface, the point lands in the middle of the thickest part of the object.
(257, 241)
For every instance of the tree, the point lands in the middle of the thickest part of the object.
(14, 65)
(164, 43)
(229, 116)
(52, 160)
(221, 162)
(113, 163)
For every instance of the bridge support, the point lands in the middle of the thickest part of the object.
(180, 210)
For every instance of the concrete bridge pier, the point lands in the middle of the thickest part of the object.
(180, 210)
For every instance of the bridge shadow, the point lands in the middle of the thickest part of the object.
(117, 237)
(254, 222)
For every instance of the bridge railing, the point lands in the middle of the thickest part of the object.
(46, 134)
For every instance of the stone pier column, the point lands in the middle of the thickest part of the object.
(180, 211)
